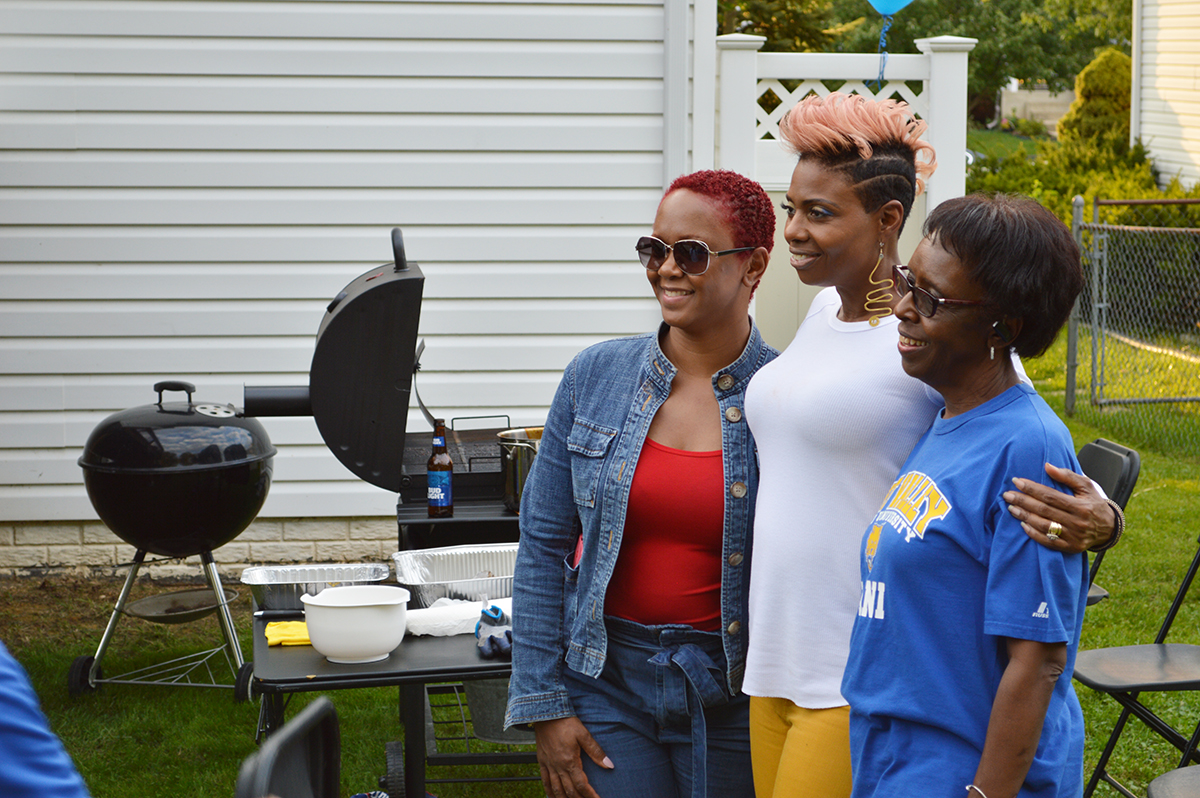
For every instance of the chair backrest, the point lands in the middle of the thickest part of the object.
(1112, 466)
(1115, 468)
(301, 760)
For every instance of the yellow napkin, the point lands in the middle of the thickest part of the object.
(287, 633)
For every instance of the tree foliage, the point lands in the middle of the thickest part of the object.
(791, 26)
(1035, 41)
(1102, 103)
(1110, 21)
(1017, 39)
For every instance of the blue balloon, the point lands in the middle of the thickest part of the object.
(887, 7)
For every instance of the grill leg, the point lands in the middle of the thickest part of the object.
(118, 610)
(223, 614)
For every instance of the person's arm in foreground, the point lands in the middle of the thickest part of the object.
(1018, 712)
(33, 761)
(1086, 516)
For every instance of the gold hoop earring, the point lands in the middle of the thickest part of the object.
(879, 300)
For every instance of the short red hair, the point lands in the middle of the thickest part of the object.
(746, 208)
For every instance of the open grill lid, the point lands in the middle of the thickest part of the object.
(362, 371)
(175, 436)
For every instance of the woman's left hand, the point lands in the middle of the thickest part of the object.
(1085, 518)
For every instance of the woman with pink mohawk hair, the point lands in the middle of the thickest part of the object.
(835, 416)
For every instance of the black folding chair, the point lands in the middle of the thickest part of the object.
(1115, 468)
(301, 760)
(1178, 783)
(1125, 672)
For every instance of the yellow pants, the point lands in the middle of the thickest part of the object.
(797, 752)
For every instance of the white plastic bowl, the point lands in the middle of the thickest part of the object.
(356, 623)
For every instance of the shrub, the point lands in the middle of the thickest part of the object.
(1058, 172)
(1100, 112)
(1030, 128)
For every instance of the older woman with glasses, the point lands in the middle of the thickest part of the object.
(959, 676)
(629, 599)
(835, 416)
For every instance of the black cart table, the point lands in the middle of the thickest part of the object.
(282, 670)
(474, 521)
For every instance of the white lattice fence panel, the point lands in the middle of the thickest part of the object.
(767, 126)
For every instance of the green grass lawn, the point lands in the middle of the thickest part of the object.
(144, 740)
(1142, 573)
(998, 144)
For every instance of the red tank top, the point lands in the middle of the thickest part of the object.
(669, 566)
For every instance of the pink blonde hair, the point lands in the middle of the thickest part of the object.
(870, 140)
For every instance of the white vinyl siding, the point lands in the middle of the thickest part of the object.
(1169, 108)
(184, 186)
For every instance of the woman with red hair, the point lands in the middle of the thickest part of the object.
(629, 597)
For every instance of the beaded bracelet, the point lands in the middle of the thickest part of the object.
(1118, 529)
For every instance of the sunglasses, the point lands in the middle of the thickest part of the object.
(690, 256)
(925, 302)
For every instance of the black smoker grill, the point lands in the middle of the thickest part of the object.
(358, 392)
(359, 389)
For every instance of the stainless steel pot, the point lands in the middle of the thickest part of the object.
(517, 449)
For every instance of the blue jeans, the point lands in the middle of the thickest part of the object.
(662, 712)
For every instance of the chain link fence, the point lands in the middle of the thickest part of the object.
(1133, 350)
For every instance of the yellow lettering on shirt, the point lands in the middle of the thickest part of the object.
(913, 503)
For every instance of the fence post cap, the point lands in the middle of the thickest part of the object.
(740, 41)
(946, 44)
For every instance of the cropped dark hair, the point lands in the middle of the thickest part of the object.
(1023, 257)
(743, 203)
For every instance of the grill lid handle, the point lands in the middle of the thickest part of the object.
(398, 250)
(174, 385)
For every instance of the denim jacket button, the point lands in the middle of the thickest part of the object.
(738, 490)
(733, 414)
(735, 558)
(725, 382)
(734, 627)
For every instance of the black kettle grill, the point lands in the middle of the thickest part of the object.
(176, 479)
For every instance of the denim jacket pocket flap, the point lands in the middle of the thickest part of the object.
(589, 440)
(587, 444)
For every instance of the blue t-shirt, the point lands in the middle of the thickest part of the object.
(32, 760)
(947, 574)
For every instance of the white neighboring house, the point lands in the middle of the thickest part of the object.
(1165, 110)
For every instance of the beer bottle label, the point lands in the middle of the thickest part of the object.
(439, 488)
(438, 440)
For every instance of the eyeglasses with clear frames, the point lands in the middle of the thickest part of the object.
(691, 256)
(925, 302)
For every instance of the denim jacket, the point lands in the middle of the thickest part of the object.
(579, 485)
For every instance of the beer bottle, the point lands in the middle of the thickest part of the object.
(439, 472)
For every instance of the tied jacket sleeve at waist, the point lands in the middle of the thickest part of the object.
(579, 485)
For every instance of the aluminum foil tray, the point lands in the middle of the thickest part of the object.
(279, 587)
(473, 572)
